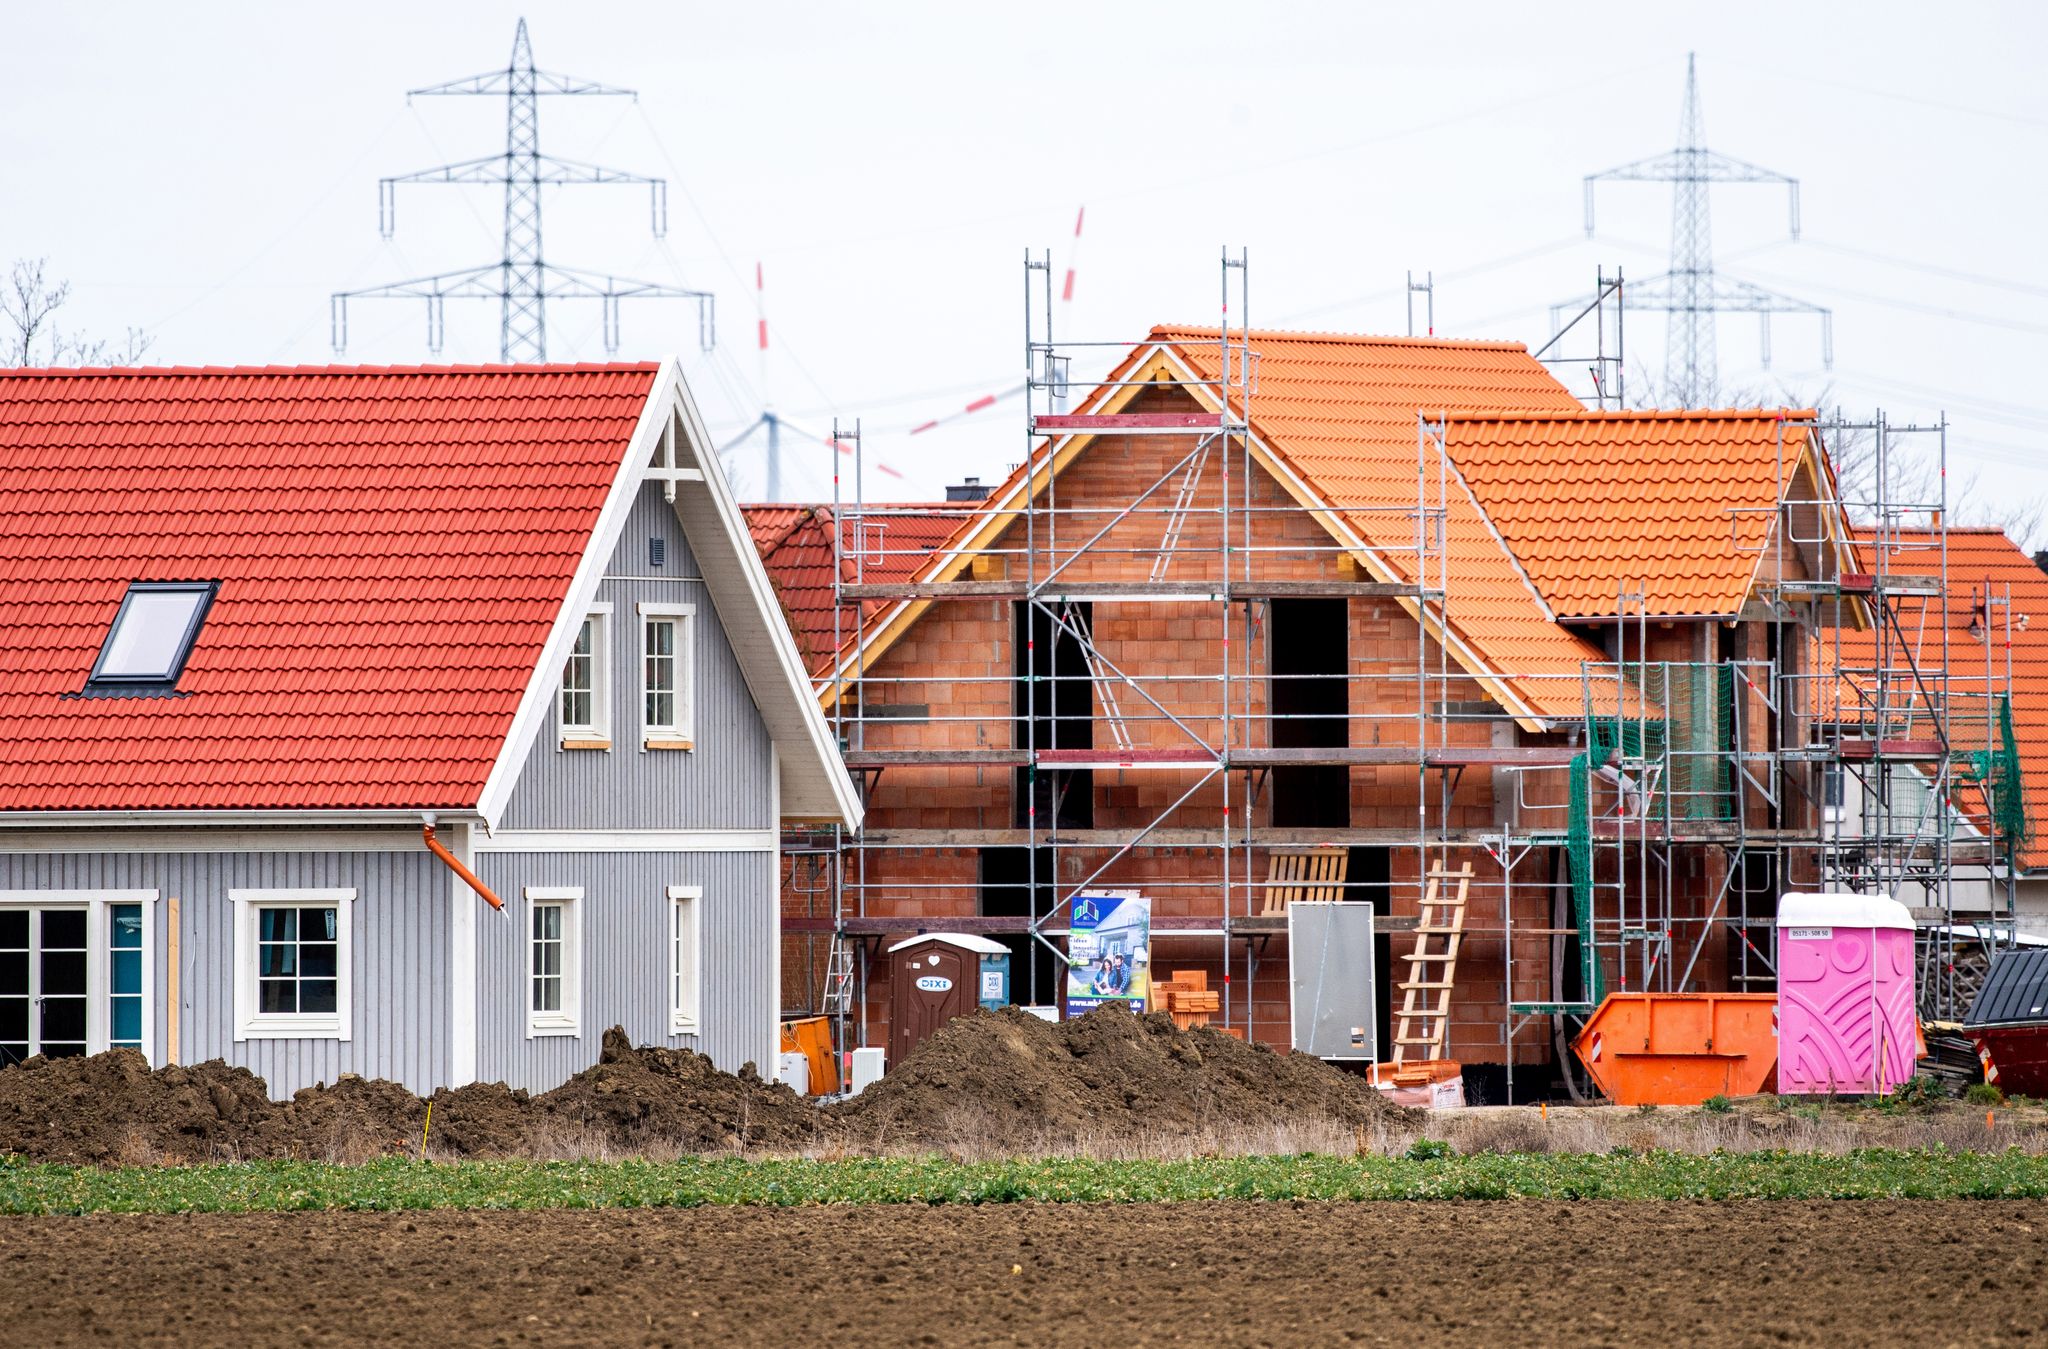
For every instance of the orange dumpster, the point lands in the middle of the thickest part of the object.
(1680, 1048)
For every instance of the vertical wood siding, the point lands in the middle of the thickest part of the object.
(624, 960)
(721, 784)
(399, 970)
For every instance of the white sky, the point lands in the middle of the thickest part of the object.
(209, 172)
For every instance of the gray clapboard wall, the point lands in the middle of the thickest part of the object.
(724, 783)
(625, 959)
(399, 970)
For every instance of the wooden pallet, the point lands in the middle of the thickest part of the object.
(1304, 876)
(1422, 1025)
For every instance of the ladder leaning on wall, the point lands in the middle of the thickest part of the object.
(1423, 1023)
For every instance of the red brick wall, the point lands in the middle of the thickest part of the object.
(957, 661)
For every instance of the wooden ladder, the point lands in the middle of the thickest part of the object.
(1432, 971)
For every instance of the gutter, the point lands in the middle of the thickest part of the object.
(454, 864)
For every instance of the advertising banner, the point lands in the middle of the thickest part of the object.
(1109, 952)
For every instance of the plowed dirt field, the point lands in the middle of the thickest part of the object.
(1472, 1273)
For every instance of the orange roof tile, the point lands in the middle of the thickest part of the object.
(1341, 411)
(1978, 559)
(1672, 503)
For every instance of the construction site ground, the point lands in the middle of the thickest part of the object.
(1222, 1272)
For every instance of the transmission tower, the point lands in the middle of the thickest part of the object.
(522, 281)
(1691, 293)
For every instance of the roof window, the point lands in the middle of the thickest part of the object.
(152, 636)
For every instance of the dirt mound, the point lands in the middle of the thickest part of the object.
(1007, 1080)
(113, 1109)
(635, 1099)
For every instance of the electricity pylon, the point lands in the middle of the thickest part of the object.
(1692, 292)
(522, 281)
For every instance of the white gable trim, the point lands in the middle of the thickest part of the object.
(814, 783)
(539, 697)
(851, 665)
(740, 594)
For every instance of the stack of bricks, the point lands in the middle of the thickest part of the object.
(1186, 997)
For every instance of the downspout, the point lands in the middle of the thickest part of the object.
(454, 864)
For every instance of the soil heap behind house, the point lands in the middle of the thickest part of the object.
(1009, 1081)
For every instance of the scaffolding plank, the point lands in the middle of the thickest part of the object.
(1866, 583)
(1183, 756)
(1893, 747)
(1166, 838)
(1198, 589)
(979, 925)
(1099, 423)
(965, 755)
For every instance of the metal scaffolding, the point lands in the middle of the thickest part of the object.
(1686, 797)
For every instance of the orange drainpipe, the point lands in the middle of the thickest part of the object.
(440, 850)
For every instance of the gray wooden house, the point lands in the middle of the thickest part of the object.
(419, 723)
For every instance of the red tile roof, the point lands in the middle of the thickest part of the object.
(1675, 504)
(1979, 560)
(795, 544)
(392, 546)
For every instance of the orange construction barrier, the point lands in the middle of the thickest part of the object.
(1680, 1048)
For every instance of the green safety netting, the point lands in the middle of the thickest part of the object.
(1579, 851)
(1690, 743)
(1999, 770)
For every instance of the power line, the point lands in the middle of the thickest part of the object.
(1690, 293)
(1916, 307)
(522, 281)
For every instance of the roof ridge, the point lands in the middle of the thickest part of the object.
(193, 371)
(1644, 414)
(1160, 330)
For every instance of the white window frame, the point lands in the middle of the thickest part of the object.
(598, 734)
(99, 964)
(251, 1024)
(685, 946)
(568, 1020)
(682, 734)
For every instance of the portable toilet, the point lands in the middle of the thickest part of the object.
(995, 978)
(1846, 1020)
(932, 979)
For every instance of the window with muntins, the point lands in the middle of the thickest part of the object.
(124, 976)
(583, 704)
(74, 972)
(292, 963)
(666, 649)
(297, 961)
(553, 959)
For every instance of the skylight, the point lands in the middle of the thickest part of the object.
(153, 632)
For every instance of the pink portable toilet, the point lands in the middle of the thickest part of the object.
(1846, 1021)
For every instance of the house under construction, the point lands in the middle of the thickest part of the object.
(1269, 617)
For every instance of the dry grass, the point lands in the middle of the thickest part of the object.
(972, 1135)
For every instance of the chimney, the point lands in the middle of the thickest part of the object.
(969, 490)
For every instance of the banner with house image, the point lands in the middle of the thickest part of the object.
(1109, 952)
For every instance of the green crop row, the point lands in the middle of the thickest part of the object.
(265, 1187)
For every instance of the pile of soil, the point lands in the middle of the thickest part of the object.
(1008, 1080)
(113, 1109)
(997, 1082)
(634, 1099)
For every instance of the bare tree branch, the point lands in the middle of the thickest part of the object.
(29, 335)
